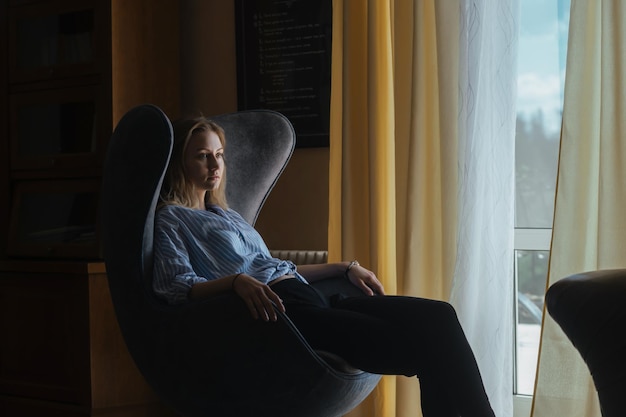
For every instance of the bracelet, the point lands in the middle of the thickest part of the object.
(232, 283)
(350, 265)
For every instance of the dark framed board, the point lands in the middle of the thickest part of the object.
(283, 62)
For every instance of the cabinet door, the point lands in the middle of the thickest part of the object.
(45, 337)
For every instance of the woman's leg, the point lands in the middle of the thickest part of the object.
(445, 359)
(396, 335)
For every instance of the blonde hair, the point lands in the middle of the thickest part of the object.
(177, 190)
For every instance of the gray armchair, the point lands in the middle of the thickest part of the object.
(590, 307)
(210, 358)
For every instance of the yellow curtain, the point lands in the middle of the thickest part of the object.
(362, 194)
(591, 192)
(393, 156)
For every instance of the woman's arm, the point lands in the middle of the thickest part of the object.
(207, 289)
(176, 280)
(317, 272)
(259, 297)
(361, 277)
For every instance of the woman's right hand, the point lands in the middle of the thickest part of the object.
(259, 297)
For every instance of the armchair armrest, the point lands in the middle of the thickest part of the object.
(590, 307)
(328, 287)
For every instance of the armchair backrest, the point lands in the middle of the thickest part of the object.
(259, 143)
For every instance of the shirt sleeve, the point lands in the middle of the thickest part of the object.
(173, 275)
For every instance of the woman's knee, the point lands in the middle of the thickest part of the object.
(443, 314)
(437, 308)
(446, 309)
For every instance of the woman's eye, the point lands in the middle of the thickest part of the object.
(203, 156)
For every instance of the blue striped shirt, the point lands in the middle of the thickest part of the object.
(193, 246)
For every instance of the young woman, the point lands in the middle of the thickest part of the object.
(203, 248)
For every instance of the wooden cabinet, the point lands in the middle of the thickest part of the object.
(62, 352)
(70, 70)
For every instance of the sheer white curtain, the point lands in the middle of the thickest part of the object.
(483, 286)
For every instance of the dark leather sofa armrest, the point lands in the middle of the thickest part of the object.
(582, 304)
(590, 307)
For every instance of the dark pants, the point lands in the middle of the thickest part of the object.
(394, 335)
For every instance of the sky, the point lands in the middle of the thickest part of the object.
(541, 61)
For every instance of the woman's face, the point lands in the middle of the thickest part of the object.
(204, 160)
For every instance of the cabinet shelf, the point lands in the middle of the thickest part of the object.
(68, 131)
(54, 39)
(55, 219)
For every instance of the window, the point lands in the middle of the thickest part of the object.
(541, 74)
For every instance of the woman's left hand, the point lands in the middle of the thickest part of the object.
(366, 280)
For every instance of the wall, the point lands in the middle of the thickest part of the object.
(296, 213)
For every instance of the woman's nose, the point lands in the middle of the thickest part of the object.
(212, 163)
